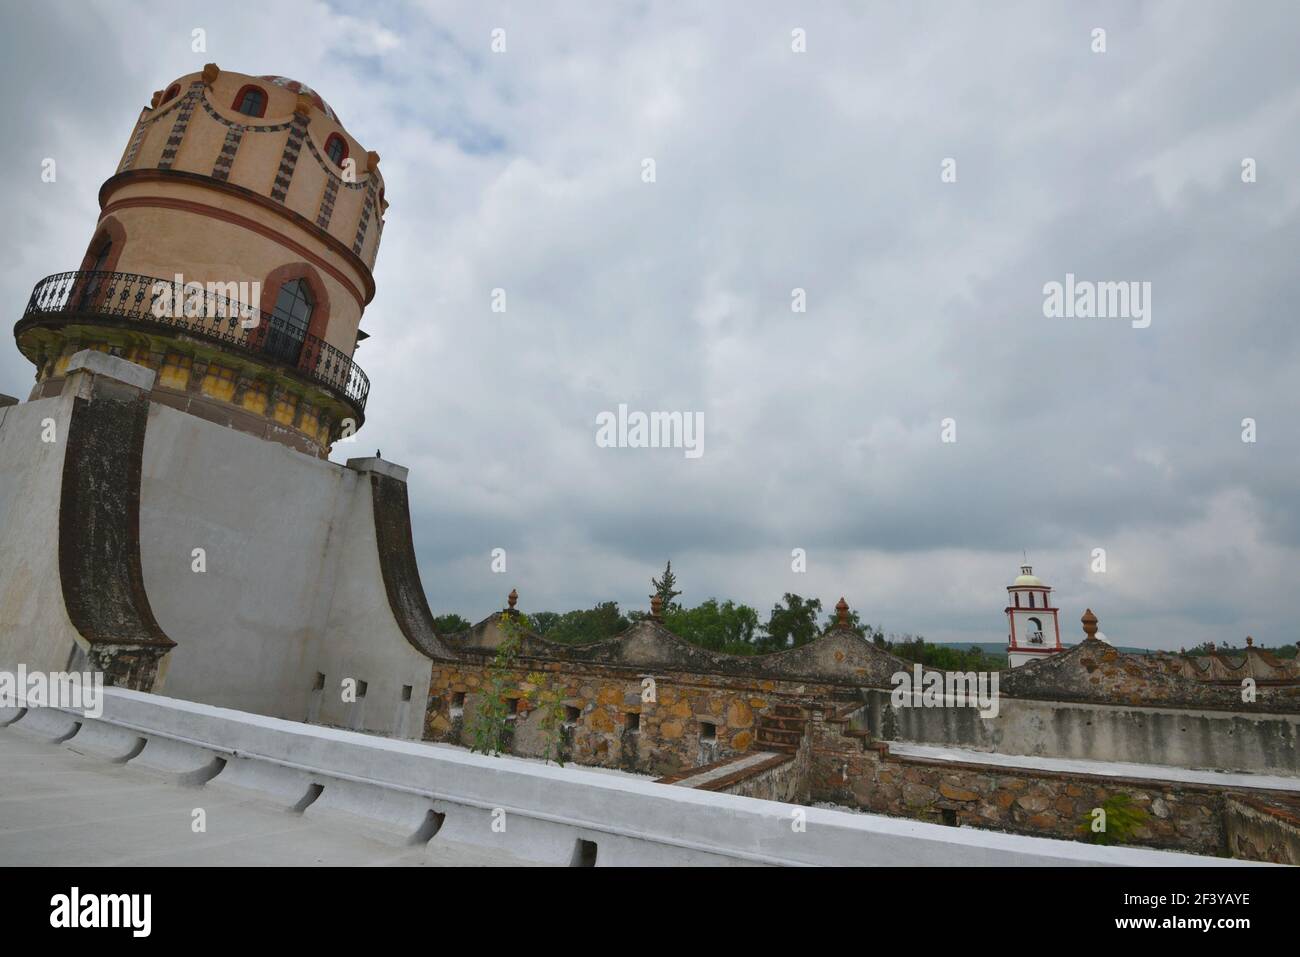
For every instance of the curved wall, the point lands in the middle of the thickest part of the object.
(292, 587)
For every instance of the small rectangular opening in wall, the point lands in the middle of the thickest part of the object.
(406, 692)
(512, 709)
(572, 714)
(320, 682)
(457, 704)
(362, 687)
(632, 722)
(584, 854)
(708, 731)
(949, 816)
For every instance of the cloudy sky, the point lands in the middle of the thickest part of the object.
(775, 170)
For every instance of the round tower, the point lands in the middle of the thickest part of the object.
(232, 255)
(1035, 631)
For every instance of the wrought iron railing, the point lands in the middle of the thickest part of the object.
(196, 312)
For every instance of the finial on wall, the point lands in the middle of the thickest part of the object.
(842, 611)
(513, 597)
(656, 606)
(210, 73)
(1089, 623)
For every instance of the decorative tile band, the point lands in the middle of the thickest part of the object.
(329, 170)
(242, 127)
(364, 224)
(226, 158)
(192, 95)
(327, 202)
(129, 159)
(289, 158)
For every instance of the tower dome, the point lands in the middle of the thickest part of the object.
(1028, 578)
(233, 255)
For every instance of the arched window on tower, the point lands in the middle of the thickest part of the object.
(290, 320)
(171, 94)
(1035, 631)
(96, 268)
(336, 148)
(1017, 599)
(251, 101)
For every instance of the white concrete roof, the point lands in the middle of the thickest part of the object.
(366, 800)
(58, 807)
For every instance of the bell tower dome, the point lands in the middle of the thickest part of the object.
(232, 255)
(1034, 630)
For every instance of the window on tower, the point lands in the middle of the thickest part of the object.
(251, 101)
(97, 266)
(290, 320)
(171, 93)
(336, 149)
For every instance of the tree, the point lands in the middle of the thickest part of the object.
(450, 624)
(544, 621)
(726, 627)
(664, 588)
(584, 626)
(855, 625)
(792, 625)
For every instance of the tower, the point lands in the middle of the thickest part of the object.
(232, 256)
(1035, 631)
(169, 516)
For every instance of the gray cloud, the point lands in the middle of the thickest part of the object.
(776, 171)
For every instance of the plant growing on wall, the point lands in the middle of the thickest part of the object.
(549, 702)
(491, 729)
(1114, 822)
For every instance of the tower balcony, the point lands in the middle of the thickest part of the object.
(190, 334)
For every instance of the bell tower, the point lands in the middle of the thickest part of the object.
(1034, 630)
(233, 256)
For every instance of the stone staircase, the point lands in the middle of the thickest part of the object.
(782, 729)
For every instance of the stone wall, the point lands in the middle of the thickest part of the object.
(693, 720)
(848, 769)
(778, 781)
(1263, 831)
(1095, 671)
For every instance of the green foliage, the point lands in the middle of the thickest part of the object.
(793, 625)
(855, 625)
(948, 657)
(544, 621)
(450, 624)
(581, 627)
(490, 731)
(1203, 649)
(491, 728)
(548, 701)
(665, 588)
(1122, 818)
(726, 627)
